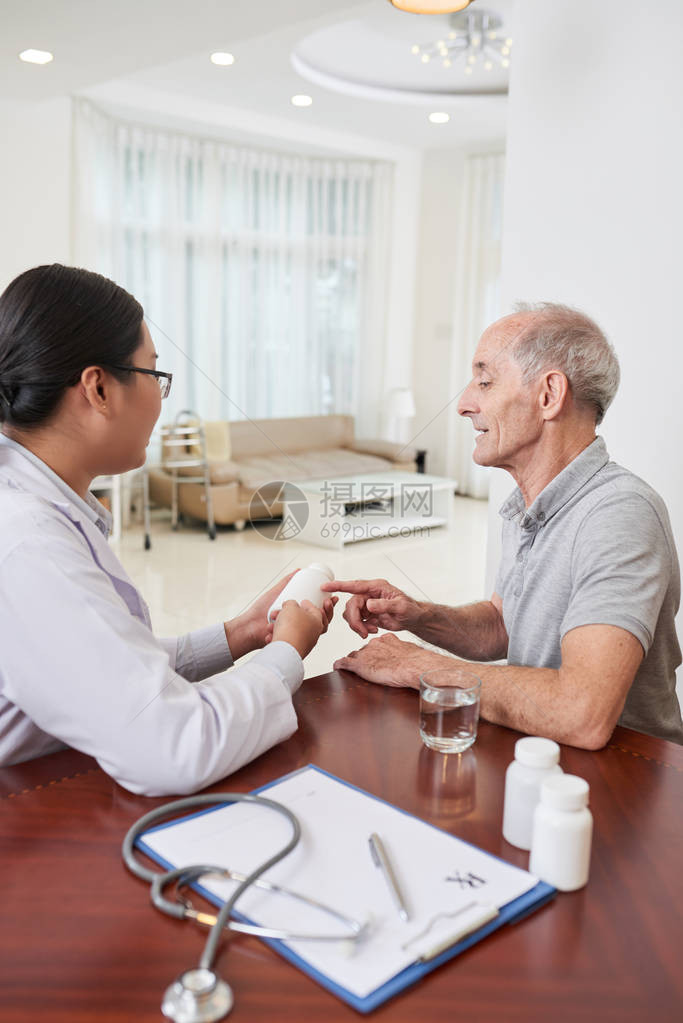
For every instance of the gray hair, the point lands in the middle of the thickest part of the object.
(558, 337)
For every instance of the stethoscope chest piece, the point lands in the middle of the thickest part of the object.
(197, 996)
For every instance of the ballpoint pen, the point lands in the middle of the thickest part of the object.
(379, 855)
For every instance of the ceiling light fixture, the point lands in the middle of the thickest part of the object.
(222, 59)
(431, 6)
(301, 101)
(36, 56)
(473, 37)
(439, 118)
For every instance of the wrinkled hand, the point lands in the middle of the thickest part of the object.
(300, 625)
(251, 630)
(391, 661)
(376, 604)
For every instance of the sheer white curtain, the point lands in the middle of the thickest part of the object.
(476, 303)
(264, 271)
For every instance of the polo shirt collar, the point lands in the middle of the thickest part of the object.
(560, 490)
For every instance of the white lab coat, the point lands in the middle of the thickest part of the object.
(80, 666)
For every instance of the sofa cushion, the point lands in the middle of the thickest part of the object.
(224, 472)
(179, 446)
(266, 437)
(386, 449)
(308, 465)
(218, 444)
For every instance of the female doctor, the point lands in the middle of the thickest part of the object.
(79, 665)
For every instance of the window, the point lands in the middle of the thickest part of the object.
(255, 268)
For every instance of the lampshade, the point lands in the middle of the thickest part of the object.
(400, 403)
(431, 6)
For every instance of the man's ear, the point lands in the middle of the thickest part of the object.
(94, 388)
(554, 388)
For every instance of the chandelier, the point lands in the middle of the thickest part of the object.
(473, 38)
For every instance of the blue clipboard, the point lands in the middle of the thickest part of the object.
(512, 912)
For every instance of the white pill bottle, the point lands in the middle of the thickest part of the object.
(305, 585)
(535, 760)
(563, 828)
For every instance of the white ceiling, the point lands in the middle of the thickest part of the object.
(126, 51)
(374, 50)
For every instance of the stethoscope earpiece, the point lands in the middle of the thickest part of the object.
(197, 996)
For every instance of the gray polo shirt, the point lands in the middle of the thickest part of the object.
(595, 548)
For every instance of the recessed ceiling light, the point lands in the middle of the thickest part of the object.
(222, 59)
(439, 118)
(301, 100)
(36, 56)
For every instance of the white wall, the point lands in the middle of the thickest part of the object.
(594, 208)
(34, 185)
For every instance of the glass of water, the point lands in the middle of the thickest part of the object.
(449, 709)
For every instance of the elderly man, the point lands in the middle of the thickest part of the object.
(588, 584)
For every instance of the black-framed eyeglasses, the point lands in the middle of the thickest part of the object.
(163, 379)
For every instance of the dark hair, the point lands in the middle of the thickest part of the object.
(54, 322)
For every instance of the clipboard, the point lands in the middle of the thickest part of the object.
(365, 980)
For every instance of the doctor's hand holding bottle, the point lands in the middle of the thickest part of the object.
(300, 625)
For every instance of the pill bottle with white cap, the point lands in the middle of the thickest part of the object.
(563, 828)
(535, 760)
(305, 585)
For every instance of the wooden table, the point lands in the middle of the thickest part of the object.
(80, 942)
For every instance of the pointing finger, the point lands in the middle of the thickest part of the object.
(364, 586)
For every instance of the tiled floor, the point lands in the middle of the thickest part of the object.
(189, 581)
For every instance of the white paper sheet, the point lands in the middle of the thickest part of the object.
(437, 873)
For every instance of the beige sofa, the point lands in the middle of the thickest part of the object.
(246, 454)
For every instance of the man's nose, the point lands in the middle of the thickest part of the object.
(466, 402)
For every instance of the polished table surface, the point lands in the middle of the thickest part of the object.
(79, 940)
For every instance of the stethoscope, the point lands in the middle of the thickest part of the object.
(199, 995)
